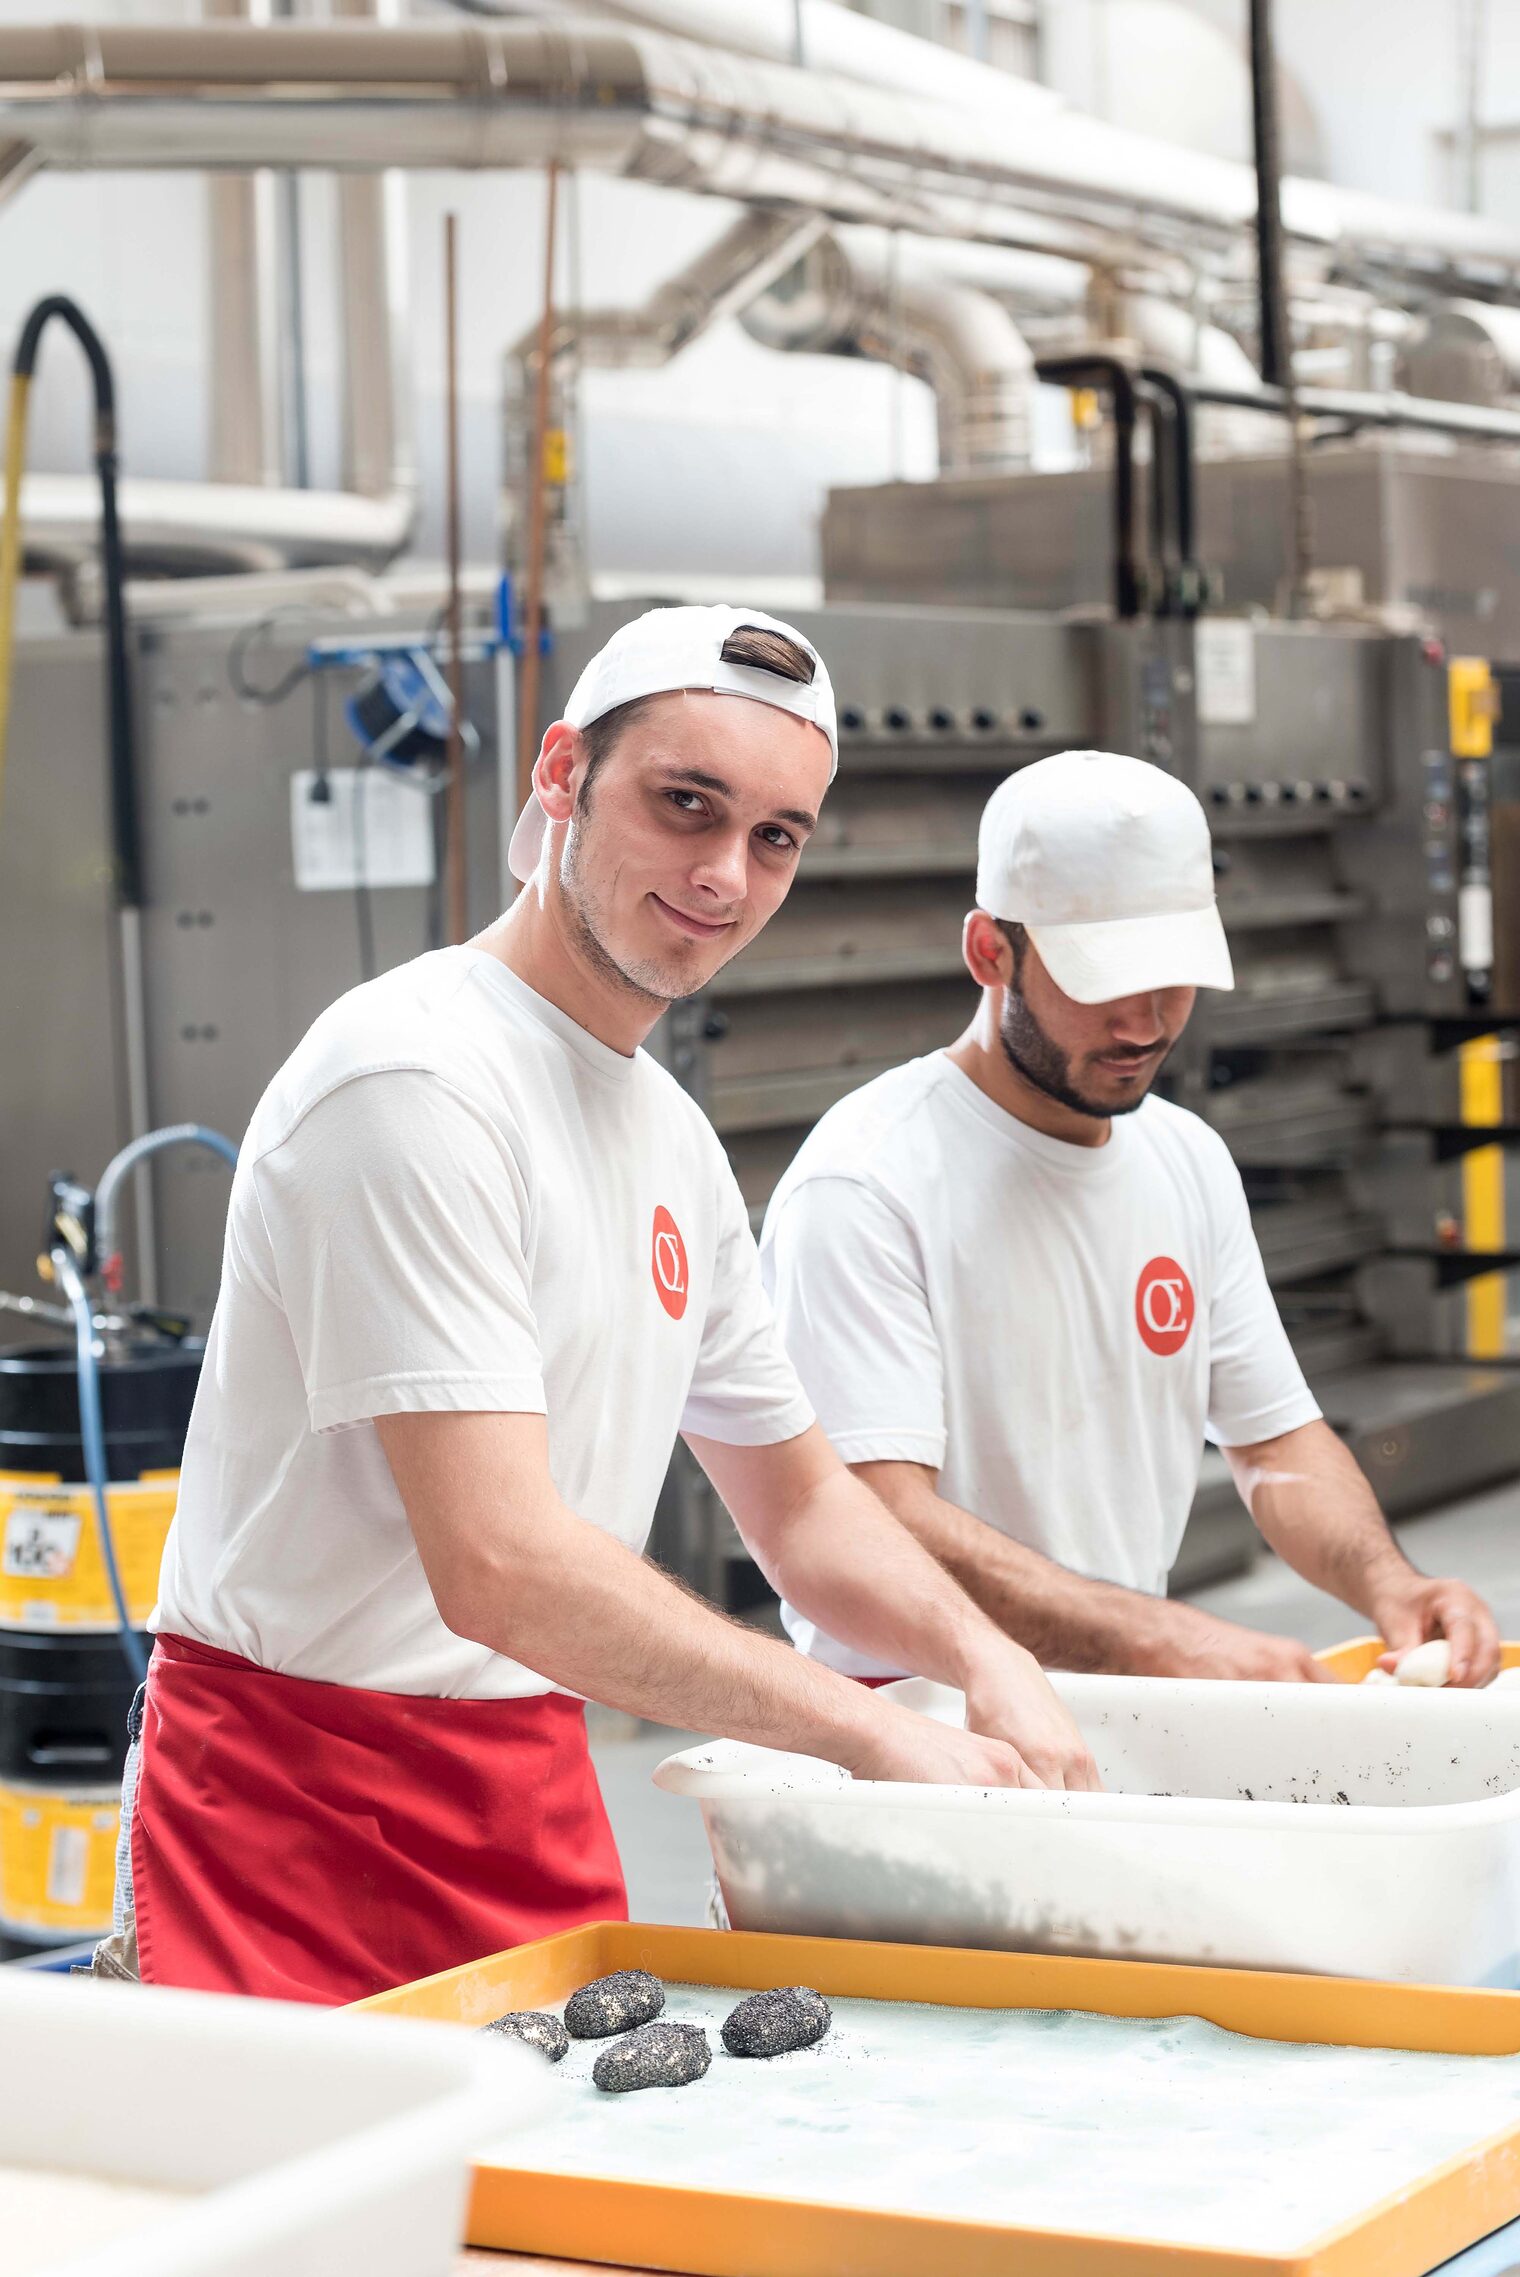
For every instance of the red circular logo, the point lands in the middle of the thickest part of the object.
(1164, 1305)
(668, 1263)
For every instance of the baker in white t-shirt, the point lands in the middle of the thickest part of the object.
(484, 1260)
(1019, 1290)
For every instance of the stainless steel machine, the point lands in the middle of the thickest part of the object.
(1366, 872)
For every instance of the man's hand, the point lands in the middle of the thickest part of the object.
(1009, 1698)
(901, 1745)
(1186, 1642)
(1410, 1609)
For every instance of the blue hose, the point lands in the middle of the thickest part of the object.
(92, 1430)
(91, 1416)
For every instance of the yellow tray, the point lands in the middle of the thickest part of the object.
(1352, 1660)
(722, 2234)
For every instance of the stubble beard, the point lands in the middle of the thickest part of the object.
(1035, 1056)
(646, 980)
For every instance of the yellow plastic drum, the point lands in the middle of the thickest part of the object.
(57, 1861)
(52, 1575)
(1351, 1661)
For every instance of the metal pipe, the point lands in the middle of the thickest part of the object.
(378, 460)
(849, 297)
(1276, 339)
(651, 108)
(533, 613)
(458, 897)
(205, 526)
(1275, 355)
(1473, 421)
(860, 50)
(244, 292)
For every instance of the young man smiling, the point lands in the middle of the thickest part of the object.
(484, 1260)
(1018, 1289)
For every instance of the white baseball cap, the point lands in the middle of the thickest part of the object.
(1106, 863)
(668, 649)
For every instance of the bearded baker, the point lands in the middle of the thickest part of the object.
(484, 1259)
(1019, 1289)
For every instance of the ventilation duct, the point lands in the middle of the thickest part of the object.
(858, 298)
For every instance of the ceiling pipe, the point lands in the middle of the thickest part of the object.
(663, 110)
(849, 297)
(1403, 241)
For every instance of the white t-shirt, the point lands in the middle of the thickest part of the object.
(1050, 1327)
(453, 1197)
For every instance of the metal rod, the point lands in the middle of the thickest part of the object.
(1276, 345)
(458, 897)
(1426, 415)
(1274, 357)
(527, 686)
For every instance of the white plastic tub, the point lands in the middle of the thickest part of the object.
(1370, 1833)
(315, 2143)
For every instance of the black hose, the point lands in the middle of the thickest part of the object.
(126, 837)
(1184, 486)
(1093, 369)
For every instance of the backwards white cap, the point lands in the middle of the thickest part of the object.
(668, 649)
(1106, 863)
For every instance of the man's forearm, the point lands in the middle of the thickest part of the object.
(845, 1562)
(625, 1633)
(1064, 1619)
(1312, 1503)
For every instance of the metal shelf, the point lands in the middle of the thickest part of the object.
(869, 969)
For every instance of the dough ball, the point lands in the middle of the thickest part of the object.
(1427, 1665)
(614, 2004)
(545, 2033)
(1380, 1676)
(1508, 1679)
(658, 2055)
(773, 2023)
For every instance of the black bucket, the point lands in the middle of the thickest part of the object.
(145, 1395)
(63, 1708)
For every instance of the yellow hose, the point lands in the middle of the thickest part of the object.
(10, 548)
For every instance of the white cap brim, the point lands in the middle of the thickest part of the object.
(1124, 956)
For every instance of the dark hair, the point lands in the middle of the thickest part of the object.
(1016, 937)
(754, 645)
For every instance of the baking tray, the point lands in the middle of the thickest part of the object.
(727, 2234)
(1351, 1661)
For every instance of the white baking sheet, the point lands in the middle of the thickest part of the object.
(1168, 2129)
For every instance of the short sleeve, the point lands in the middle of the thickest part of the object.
(397, 1214)
(744, 1391)
(1256, 1386)
(846, 1277)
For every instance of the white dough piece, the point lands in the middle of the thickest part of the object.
(1428, 1665)
(1379, 1676)
(1507, 1678)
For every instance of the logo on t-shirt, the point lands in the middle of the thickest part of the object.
(668, 1263)
(1164, 1305)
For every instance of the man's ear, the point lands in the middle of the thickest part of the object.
(987, 950)
(555, 770)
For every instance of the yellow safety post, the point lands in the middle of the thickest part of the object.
(1472, 703)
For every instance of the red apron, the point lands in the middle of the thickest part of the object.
(312, 1842)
